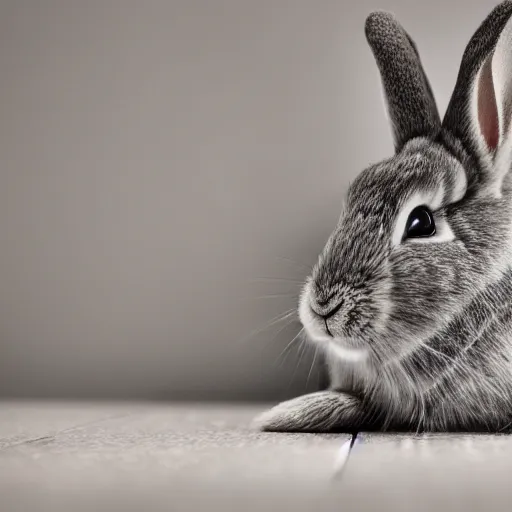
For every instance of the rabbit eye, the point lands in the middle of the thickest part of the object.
(420, 223)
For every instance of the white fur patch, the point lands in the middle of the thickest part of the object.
(460, 184)
(309, 321)
(382, 298)
(354, 355)
(316, 333)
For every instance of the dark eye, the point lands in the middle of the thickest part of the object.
(420, 223)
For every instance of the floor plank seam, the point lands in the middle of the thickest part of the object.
(52, 436)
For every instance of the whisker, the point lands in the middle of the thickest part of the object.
(437, 352)
(342, 210)
(505, 427)
(417, 393)
(309, 268)
(458, 364)
(276, 334)
(274, 296)
(303, 349)
(279, 318)
(277, 279)
(289, 345)
(312, 365)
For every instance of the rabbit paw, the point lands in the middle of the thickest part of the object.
(323, 411)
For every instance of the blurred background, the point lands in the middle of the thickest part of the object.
(170, 170)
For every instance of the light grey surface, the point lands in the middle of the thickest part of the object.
(156, 156)
(147, 456)
(431, 473)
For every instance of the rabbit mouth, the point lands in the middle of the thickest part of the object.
(319, 331)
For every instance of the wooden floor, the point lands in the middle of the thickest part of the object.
(143, 456)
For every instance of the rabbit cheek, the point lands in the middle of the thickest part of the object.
(424, 291)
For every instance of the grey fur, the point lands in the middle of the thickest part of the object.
(411, 104)
(434, 319)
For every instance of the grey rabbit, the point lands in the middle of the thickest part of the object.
(410, 298)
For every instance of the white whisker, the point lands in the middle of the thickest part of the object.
(312, 365)
(302, 349)
(275, 296)
(309, 268)
(277, 279)
(290, 344)
(279, 318)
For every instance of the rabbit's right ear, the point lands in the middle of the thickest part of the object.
(479, 114)
(410, 102)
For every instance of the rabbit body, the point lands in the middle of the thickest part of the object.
(411, 297)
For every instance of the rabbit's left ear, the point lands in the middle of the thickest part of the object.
(480, 111)
(410, 102)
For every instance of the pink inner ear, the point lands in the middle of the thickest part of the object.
(487, 108)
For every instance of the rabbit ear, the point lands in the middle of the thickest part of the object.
(480, 110)
(410, 102)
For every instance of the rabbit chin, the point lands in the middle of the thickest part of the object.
(340, 348)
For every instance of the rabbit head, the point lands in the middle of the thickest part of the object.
(425, 231)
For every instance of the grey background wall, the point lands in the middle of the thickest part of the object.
(156, 157)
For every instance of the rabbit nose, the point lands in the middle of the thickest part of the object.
(331, 312)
